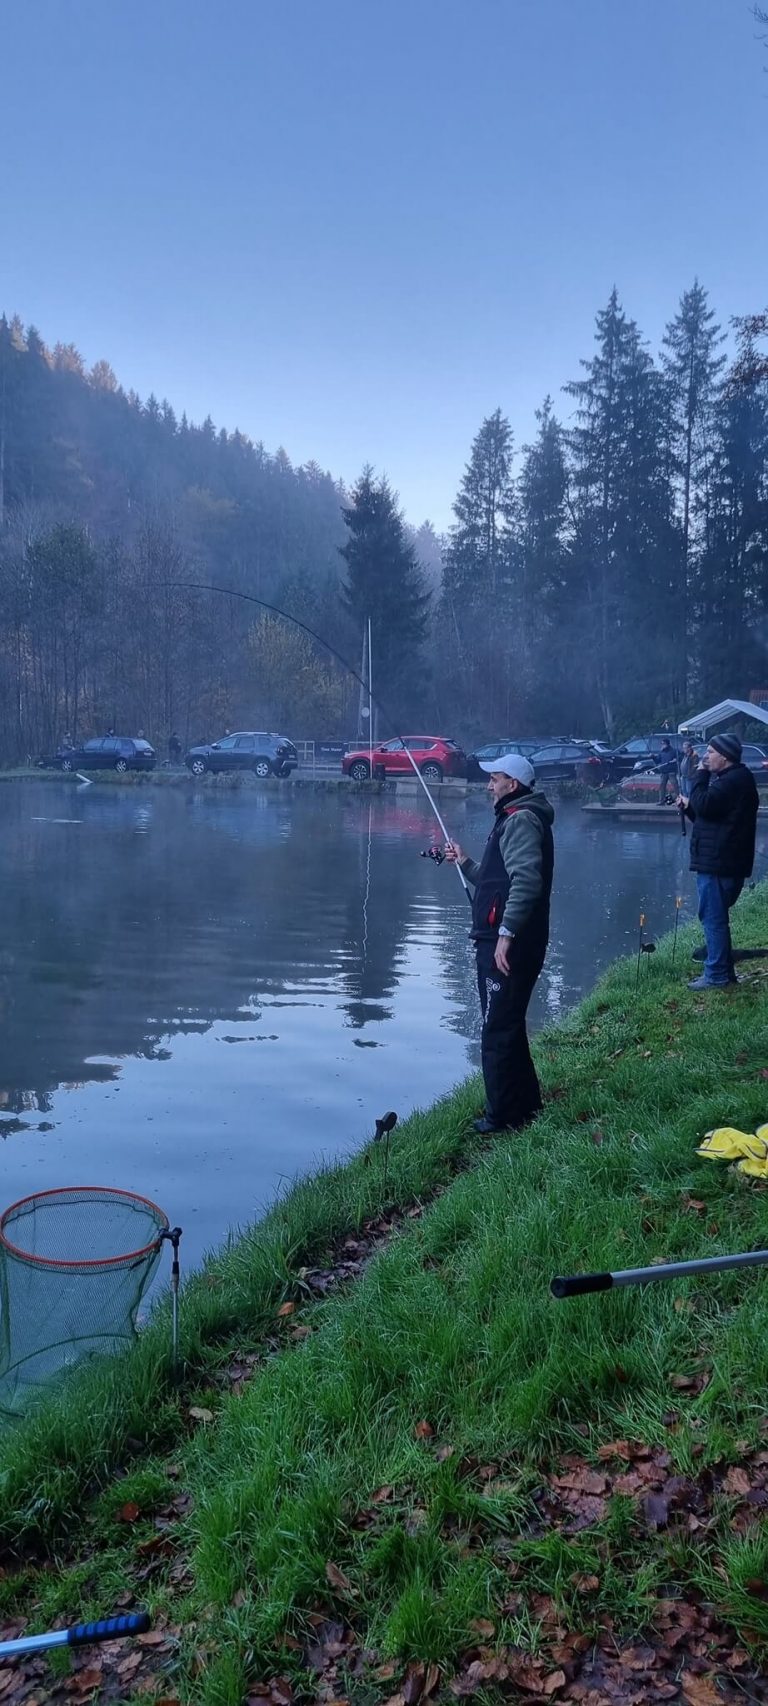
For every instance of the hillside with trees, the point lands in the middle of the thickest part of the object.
(612, 573)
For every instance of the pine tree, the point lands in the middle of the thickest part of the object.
(734, 575)
(478, 580)
(383, 581)
(692, 368)
(548, 617)
(478, 554)
(626, 544)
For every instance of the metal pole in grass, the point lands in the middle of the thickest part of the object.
(678, 904)
(173, 1236)
(576, 1285)
(639, 951)
(81, 1635)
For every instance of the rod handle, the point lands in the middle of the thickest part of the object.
(109, 1628)
(576, 1284)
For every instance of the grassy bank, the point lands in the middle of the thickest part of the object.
(443, 1467)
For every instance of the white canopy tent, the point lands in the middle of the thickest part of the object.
(721, 713)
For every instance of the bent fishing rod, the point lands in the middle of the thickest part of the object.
(285, 615)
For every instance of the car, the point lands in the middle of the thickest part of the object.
(434, 755)
(574, 760)
(248, 749)
(756, 760)
(111, 752)
(494, 749)
(641, 753)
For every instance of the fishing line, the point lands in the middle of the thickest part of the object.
(274, 609)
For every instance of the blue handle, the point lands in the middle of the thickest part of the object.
(109, 1628)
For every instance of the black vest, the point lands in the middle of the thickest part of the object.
(493, 883)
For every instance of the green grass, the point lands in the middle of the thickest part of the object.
(452, 1324)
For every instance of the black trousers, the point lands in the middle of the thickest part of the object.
(512, 1090)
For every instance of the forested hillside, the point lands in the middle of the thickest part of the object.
(612, 572)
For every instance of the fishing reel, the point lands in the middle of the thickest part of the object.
(435, 853)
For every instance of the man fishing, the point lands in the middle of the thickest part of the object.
(510, 928)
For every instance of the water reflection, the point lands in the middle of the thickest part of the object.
(202, 993)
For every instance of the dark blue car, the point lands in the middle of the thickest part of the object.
(111, 752)
(263, 754)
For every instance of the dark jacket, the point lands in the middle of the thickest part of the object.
(666, 760)
(513, 880)
(723, 809)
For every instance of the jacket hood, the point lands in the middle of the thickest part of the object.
(534, 802)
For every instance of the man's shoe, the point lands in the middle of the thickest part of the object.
(702, 983)
(485, 1126)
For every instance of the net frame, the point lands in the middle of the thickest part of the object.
(100, 1191)
(41, 1339)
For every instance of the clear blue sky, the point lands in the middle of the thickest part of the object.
(354, 227)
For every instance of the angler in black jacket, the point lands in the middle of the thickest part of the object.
(510, 929)
(722, 806)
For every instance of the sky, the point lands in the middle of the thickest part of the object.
(356, 227)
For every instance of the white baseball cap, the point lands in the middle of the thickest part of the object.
(512, 765)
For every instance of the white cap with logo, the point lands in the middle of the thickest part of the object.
(511, 764)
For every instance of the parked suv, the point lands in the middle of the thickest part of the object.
(433, 755)
(114, 752)
(264, 754)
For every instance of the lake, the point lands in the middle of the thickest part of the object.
(204, 992)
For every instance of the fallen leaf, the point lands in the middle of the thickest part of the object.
(556, 1679)
(736, 1482)
(300, 1332)
(337, 1578)
(281, 1691)
(701, 1690)
(128, 1665)
(483, 1626)
(129, 1512)
(432, 1679)
(413, 1685)
(423, 1430)
(198, 1415)
(586, 1584)
(152, 1638)
(617, 1448)
(286, 1309)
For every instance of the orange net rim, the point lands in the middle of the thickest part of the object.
(75, 1190)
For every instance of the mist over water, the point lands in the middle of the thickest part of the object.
(203, 993)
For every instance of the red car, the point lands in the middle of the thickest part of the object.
(433, 755)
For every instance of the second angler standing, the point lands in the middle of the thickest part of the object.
(510, 928)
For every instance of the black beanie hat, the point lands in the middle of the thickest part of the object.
(729, 746)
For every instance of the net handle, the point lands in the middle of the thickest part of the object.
(103, 1261)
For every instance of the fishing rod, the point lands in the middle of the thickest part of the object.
(80, 1635)
(274, 609)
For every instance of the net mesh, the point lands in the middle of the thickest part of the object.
(74, 1266)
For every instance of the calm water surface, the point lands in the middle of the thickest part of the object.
(202, 993)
